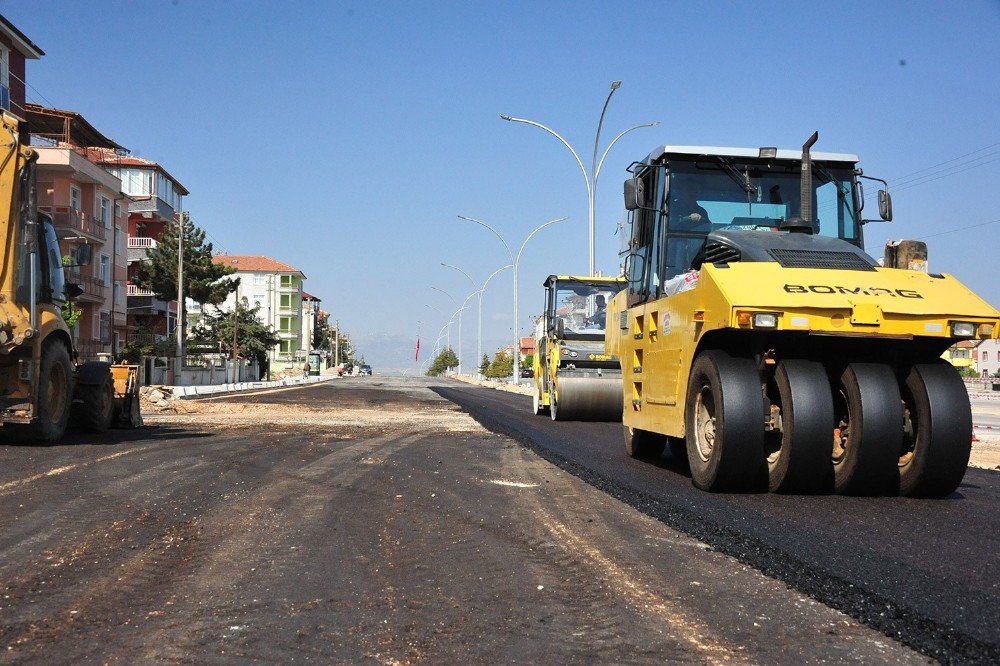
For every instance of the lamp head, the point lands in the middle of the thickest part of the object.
(615, 85)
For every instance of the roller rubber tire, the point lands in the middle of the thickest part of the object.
(643, 443)
(867, 464)
(937, 456)
(803, 464)
(94, 406)
(724, 420)
(554, 404)
(54, 397)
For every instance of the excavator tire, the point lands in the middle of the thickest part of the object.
(94, 406)
(936, 450)
(54, 399)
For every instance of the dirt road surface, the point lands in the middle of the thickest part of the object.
(366, 521)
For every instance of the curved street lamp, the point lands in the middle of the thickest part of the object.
(595, 167)
(514, 259)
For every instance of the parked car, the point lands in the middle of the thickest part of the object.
(527, 373)
(366, 370)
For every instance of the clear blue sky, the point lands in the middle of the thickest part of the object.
(344, 138)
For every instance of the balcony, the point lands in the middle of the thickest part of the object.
(145, 302)
(146, 338)
(69, 222)
(138, 248)
(94, 289)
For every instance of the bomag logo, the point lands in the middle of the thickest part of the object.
(850, 291)
(600, 357)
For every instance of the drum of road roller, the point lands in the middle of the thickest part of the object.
(587, 399)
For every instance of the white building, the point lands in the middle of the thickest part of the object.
(275, 288)
(988, 358)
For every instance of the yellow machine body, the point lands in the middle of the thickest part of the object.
(895, 308)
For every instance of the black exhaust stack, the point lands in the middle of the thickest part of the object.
(806, 182)
(805, 223)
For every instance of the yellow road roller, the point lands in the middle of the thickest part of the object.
(575, 378)
(758, 338)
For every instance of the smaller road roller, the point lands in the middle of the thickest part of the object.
(575, 379)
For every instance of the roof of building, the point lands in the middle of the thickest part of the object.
(967, 344)
(306, 296)
(20, 40)
(111, 158)
(254, 263)
(66, 126)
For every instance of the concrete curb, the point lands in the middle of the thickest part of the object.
(188, 392)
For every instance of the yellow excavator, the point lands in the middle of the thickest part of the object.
(758, 338)
(42, 389)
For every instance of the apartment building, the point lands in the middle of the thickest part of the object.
(87, 207)
(155, 200)
(274, 287)
(15, 49)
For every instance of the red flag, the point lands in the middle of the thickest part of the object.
(416, 356)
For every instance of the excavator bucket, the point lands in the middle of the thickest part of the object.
(126, 378)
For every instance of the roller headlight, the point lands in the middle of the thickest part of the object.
(765, 320)
(963, 329)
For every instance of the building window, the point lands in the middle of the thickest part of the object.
(106, 212)
(118, 240)
(105, 336)
(117, 291)
(259, 279)
(986, 356)
(118, 211)
(106, 269)
(288, 281)
(75, 195)
(4, 77)
(285, 347)
(285, 324)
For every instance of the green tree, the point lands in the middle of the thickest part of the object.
(204, 280)
(71, 313)
(484, 365)
(502, 366)
(527, 360)
(444, 361)
(253, 338)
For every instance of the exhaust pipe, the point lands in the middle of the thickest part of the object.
(806, 181)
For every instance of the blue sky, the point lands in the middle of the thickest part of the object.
(345, 138)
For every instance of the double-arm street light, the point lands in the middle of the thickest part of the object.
(514, 259)
(595, 165)
(480, 291)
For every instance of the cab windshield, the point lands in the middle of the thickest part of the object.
(583, 307)
(713, 194)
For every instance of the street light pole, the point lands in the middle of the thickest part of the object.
(514, 261)
(479, 330)
(453, 316)
(589, 179)
(481, 292)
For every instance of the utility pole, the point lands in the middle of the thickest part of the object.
(336, 343)
(179, 324)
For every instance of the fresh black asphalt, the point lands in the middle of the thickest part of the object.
(922, 571)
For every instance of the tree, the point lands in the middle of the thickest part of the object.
(502, 366)
(444, 361)
(253, 338)
(204, 280)
(484, 365)
(527, 360)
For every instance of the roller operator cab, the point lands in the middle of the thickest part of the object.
(758, 338)
(575, 379)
